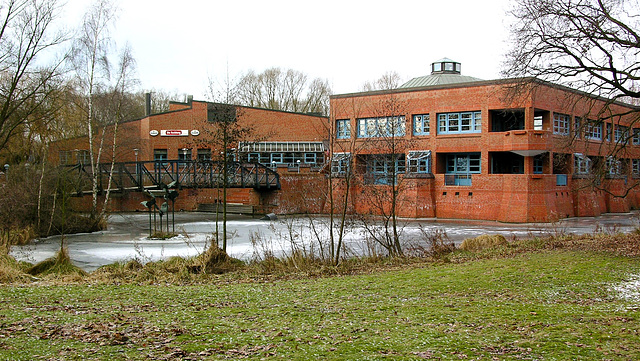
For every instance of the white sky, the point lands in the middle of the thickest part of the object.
(179, 45)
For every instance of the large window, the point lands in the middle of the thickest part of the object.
(581, 164)
(204, 155)
(577, 127)
(466, 122)
(463, 163)
(382, 168)
(538, 164)
(560, 124)
(184, 154)
(635, 168)
(340, 163)
(609, 132)
(593, 131)
(159, 155)
(419, 161)
(381, 127)
(83, 157)
(343, 128)
(537, 122)
(310, 158)
(621, 134)
(65, 157)
(460, 166)
(421, 124)
(614, 166)
(636, 136)
(277, 158)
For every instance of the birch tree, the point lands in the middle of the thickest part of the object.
(93, 70)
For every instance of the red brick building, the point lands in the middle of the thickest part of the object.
(293, 144)
(459, 147)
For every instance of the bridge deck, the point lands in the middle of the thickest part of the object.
(140, 176)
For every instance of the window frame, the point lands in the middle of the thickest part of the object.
(454, 163)
(381, 127)
(593, 131)
(343, 128)
(420, 164)
(635, 168)
(453, 122)
(621, 134)
(582, 164)
(340, 164)
(561, 124)
(421, 124)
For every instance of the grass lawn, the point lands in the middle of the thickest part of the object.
(550, 305)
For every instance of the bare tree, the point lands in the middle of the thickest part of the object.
(27, 34)
(227, 131)
(278, 89)
(382, 171)
(389, 80)
(590, 45)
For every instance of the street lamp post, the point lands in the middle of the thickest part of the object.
(135, 152)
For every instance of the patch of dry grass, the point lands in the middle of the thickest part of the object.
(59, 265)
(483, 242)
(10, 270)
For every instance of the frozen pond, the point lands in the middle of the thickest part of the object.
(126, 236)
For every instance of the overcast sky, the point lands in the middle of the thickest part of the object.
(179, 45)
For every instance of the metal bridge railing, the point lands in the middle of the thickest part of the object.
(187, 174)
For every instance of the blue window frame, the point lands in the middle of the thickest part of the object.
(635, 168)
(621, 134)
(577, 127)
(381, 127)
(419, 162)
(159, 155)
(609, 131)
(593, 131)
(455, 123)
(343, 128)
(253, 157)
(276, 158)
(636, 136)
(463, 163)
(581, 164)
(421, 124)
(340, 163)
(310, 158)
(382, 168)
(538, 162)
(560, 124)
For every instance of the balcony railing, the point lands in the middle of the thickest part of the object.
(457, 179)
(561, 180)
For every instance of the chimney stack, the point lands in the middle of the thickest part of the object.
(147, 104)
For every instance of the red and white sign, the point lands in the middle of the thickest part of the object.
(174, 133)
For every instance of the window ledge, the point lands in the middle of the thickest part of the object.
(460, 135)
(419, 176)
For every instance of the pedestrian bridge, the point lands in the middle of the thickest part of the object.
(149, 175)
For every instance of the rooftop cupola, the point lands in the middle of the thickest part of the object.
(445, 66)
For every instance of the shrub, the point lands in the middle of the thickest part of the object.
(483, 242)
